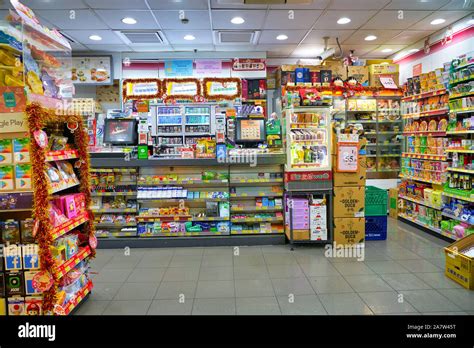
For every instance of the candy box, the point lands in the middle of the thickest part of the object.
(13, 259)
(21, 150)
(29, 289)
(33, 305)
(6, 151)
(30, 256)
(23, 176)
(80, 202)
(14, 284)
(16, 305)
(6, 178)
(10, 231)
(26, 230)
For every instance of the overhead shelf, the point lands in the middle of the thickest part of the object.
(424, 95)
(424, 156)
(419, 202)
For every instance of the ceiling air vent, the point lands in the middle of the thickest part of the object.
(237, 37)
(141, 37)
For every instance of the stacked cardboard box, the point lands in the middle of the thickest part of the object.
(349, 204)
(383, 70)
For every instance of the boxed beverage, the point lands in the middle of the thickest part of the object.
(14, 284)
(33, 305)
(16, 305)
(349, 201)
(6, 178)
(23, 176)
(349, 231)
(360, 73)
(393, 202)
(318, 220)
(21, 150)
(351, 179)
(6, 151)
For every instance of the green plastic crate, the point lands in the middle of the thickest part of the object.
(375, 201)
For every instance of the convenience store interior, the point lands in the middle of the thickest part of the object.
(237, 157)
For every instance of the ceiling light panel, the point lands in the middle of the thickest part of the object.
(280, 19)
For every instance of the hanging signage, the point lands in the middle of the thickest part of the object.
(13, 122)
(141, 89)
(181, 88)
(222, 88)
(417, 68)
(249, 64)
(177, 68)
(208, 67)
(96, 70)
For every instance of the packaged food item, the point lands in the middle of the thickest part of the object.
(57, 143)
(66, 172)
(34, 83)
(53, 175)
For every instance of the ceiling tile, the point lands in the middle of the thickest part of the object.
(388, 19)
(416, 4)
(150, 48)
(378, 51)
(117, 4)
(269, 36)
(449, 16)
(280, 19)
(359, 50)
(109, 48)
(51, 4)
(82, 36)
(308, 51)
(409, 37)
(239, 48)
(171, 20)
(253, 19)
(358, 4)
(329, 19)
(233, 4)
(62, 19)
(75, 46)
(278, 50)
(177, 37)
(178, 5)
(200, 48)
(459, 5)
(382, 36)
(313, 5)
(316, 36)
(113, 18)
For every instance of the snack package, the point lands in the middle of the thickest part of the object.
(23, 176)
(21, 150)
(66, 172)
(53, 175)
(57, 143)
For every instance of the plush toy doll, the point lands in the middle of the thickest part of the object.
(338, 82)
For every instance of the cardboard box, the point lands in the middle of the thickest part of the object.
(337, 68)
(376, 69)
(298, 234)
(318, 221)
(374, 79)
(361, 74)
(459, 267)
(350, 179)
(349, 231)
(349, 201)
(393, 202)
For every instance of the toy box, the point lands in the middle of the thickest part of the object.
(6, 151)
(13, 259)
(16, 305)
(21, 150)
(6, 178)
(14, 284)
(23, 176)
(33, 305)
(30, 254)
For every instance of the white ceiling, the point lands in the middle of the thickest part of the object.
(305, 31)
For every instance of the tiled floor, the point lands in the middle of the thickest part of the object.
(402, 275)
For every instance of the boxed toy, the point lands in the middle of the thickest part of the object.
(23, 176)
(16, 305)
(14, 284)
(6, 151)
(6, 178)
(33, 305)
(21, 150)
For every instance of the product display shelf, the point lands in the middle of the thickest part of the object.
(76, 300)
(65, 267)
(69, 225)
(414, 200)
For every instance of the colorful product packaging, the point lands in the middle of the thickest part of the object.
(6, 178)
(30, 254)
(26, 230)
(14, 284)
(13, 259)
(21, 150)
(33, 305)
(10, 231)
(29, 289)
(16, 305)
(23, 176)
(6, 151)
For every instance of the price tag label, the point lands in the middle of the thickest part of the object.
(387, 82)
(347, 157)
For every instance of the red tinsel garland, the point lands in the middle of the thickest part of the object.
(38, 118)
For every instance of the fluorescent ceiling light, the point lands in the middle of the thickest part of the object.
(370, 38)
(438, 21)
(282, 37)
(95, 37)
(129, 20)
(189, 37)
(343, 20)
(237, 20)
(387, 50)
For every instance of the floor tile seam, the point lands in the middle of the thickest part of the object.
(273, 287)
